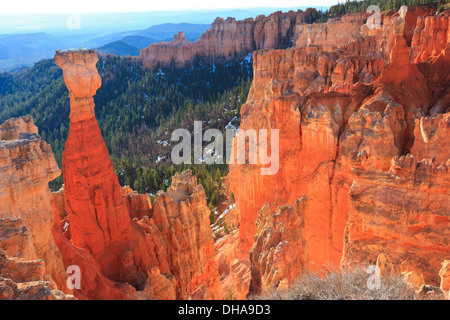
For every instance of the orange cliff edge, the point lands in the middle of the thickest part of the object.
(227, 38)
(30, 262)
(347, 189)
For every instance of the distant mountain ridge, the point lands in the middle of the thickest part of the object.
(102, 31)
(17, 50)
(131, 42)
(25, 49)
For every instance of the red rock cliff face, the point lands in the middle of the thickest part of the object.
(344, 121)
(336, 33)
(403, 213)
(280, 249)
(227, 38)
(353, 34)
(431, 36)
(26, 166)
(22, 275)
(182, 217)
(125, 248)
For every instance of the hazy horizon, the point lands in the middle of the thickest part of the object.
(26, 38)
(109, 22)
(111, 6)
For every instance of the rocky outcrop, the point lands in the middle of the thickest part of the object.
(311, 69)
(98, 217)
(12, 128)
(444, 273)
(362, 171)
(182, 217)
(138, 205)
(333, 34)
(22, 275)
(346, 123)
(279, 250)
(431, 135)
(359, 34)
(431, 36)
(404, 213)
(234, 271)
(227, 38)
(26, 166)
(124, 248)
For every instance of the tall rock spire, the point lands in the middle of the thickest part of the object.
(99, 219)
(121, 257)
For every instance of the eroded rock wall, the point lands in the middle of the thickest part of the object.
(26, 166)
(23, 275)
(227, 38)
(344, 120)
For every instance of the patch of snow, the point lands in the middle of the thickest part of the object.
(160, 158)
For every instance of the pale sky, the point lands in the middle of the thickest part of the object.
(98, 6)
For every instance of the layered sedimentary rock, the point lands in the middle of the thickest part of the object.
(431, 138)
(182, 217)
(333, 34)
(139, 205)
(227, 38)
(285, 80)
(404, 213)
(99, 219)
(431, 36)
(234, 271)
(361, 176)
(345, 122)
(22, 275)
(279, 250)
(125, 248)
(362, 34)
(26, 166)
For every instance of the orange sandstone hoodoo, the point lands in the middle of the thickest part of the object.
(162, 256)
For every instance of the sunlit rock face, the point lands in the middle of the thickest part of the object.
(27, 165)
(362, 172)
(22, 275)
(279, 250)
(431, 36)
(182, 217)
(98, 217)
(403, 213)
(82, 81)
(227, 38)
(444, 273)
(347, 123)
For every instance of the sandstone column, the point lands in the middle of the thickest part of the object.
(99, 220)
